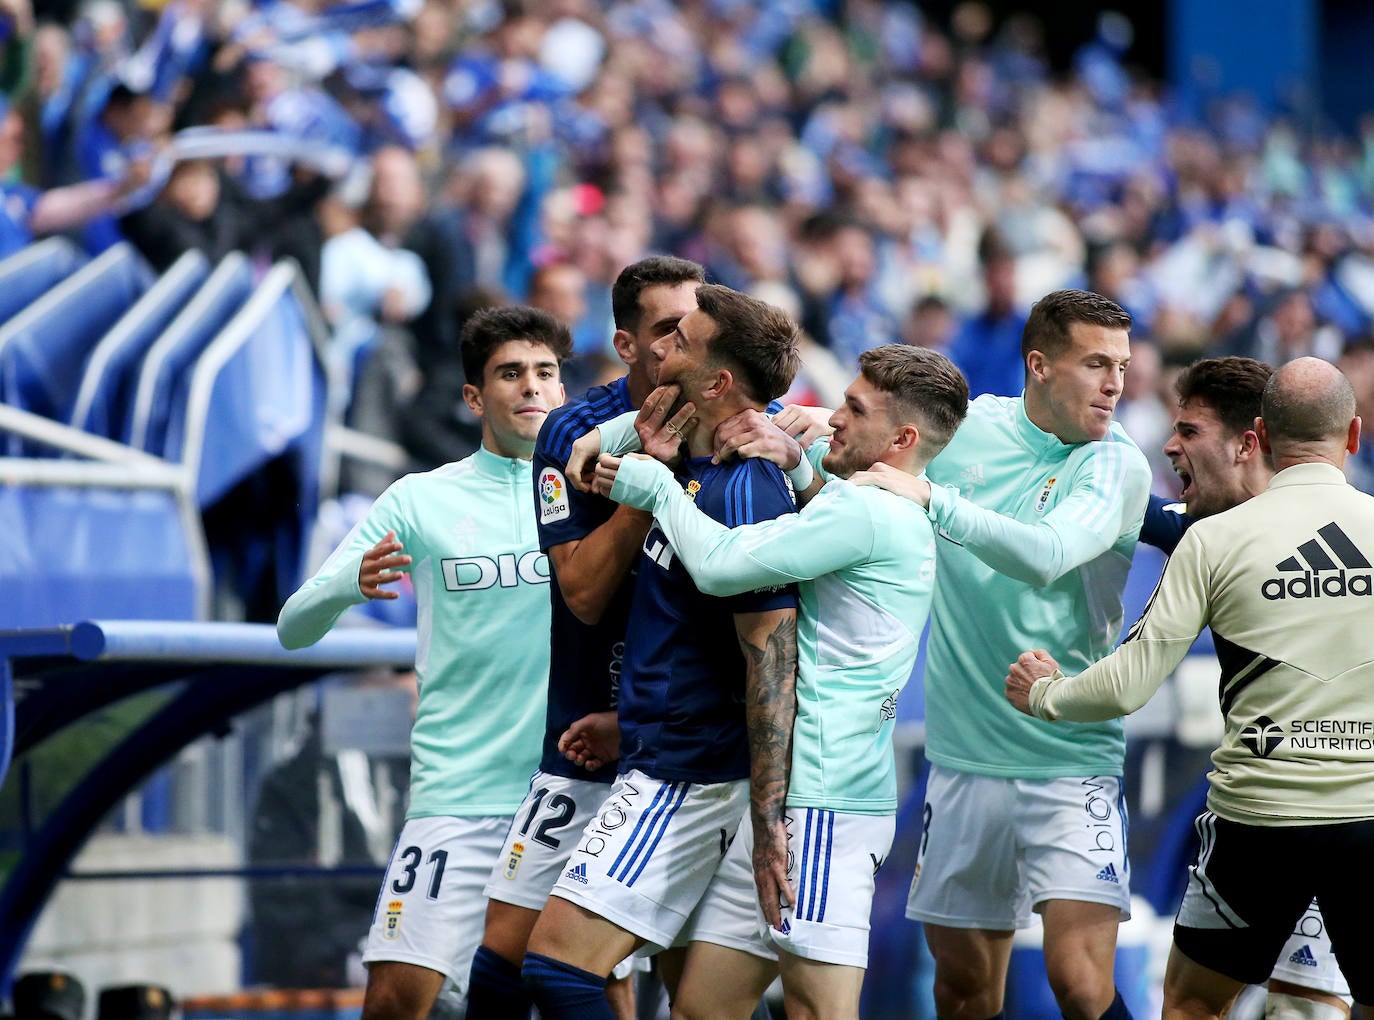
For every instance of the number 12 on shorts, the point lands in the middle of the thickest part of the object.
(409, 860)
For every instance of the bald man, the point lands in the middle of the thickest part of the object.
(1286, 584)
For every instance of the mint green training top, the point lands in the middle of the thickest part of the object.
(482, 654)
(1037, 538)
(864, 563)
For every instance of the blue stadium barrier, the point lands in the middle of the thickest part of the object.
(44, 348)
(104, 401)
(170, 358)
(258, 395)
(95, 551)
(221, 670)
(27, 275)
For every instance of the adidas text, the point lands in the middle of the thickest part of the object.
(1303, 957)
(1108, 874)
(1310, 585)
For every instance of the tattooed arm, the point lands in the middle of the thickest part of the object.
(769, 643)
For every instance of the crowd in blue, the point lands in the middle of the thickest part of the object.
(879, 173)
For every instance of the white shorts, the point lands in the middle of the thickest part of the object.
(1307, 959)
(431, 910)
(645, 860)
(542, 836)
(993, 849)
(729, 914)
(832, 860)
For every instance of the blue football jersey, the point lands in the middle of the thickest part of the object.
(682, 695)
(584, 661)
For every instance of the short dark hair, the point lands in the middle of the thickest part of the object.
(1233, 387)
(654, 271)
(491, 327)
(755, 340)
(925, 387)
(1047, 326)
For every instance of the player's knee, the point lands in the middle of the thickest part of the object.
(964, 992)
(1281, 1006)
(1083, 993)
(391, 1000)
(802, 1007)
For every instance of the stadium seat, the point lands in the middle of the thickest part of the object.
(247, 421)
(27, 275)
(173, 353)
(96, 552)
(135, 1002)
(110, 377)
(49, 995)
(44, 348)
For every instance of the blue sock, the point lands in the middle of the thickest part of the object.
(495, 991)
(564, 992)
(1117, 1010)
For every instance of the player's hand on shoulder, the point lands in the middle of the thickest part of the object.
(895, 480)
(661, 435)
(1022, 674)
(592, 741)
(383, 564)
(752, 434)
(804, 423)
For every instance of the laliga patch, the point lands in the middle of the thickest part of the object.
(553, 496)
(393, 920)
(1044, 496)
(517, 853)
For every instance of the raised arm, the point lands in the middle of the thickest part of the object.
(769, 642)
(1107, 499)
(1123, 681)
(590, 569)
(836, 530)
(370, 556)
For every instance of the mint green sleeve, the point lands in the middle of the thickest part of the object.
(1109, 494)
(618, 436)
(836, 530)
(316, 606)
(815, 453)
(1127, 678)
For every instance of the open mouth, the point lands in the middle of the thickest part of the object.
(1185, 478)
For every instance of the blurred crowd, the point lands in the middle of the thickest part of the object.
(877, 173)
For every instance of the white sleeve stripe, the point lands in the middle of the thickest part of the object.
(1108, 481)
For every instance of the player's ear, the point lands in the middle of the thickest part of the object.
(472, 396)
(1035, 366)
(624, 343)
(718, 385)
(908, 437)
(1249, 447)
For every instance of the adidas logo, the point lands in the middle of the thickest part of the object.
(1108, 874)
(1314, 574)
(786, 927)
(578, 873)
(1303, 957)
(1262, 736)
